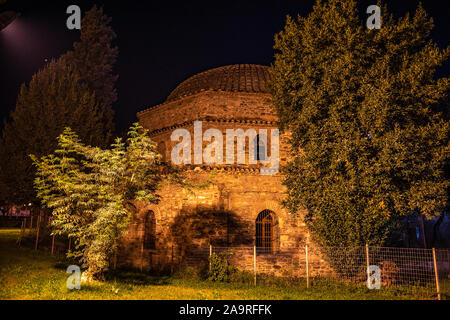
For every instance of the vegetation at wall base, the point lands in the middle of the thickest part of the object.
(30, 274)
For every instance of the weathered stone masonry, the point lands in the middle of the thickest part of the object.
(225, 212)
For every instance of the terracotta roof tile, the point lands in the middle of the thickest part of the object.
(237, 77)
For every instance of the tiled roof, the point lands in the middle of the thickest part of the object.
(237, 78)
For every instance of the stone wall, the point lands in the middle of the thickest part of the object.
(216, 109)
(212, 104)
(223, 213)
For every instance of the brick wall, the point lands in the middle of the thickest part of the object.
(223, 213)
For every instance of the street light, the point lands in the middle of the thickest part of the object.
(6, 18)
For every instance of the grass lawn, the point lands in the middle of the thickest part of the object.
(29, 274)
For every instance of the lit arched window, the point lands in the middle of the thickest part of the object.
(149, 230)
(265, 231)
(260, 148)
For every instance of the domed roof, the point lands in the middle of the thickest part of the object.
(236, 77)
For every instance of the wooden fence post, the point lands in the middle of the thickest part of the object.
(436, 275)
(254, 265)
(367, 262)
(53, 244)
(307, 266)
(38, 225)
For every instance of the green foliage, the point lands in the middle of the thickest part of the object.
(93, 57)
(90, 191)
(197, 272)
(54, 98)
(220, 269)
(369, 139)
(77, 91)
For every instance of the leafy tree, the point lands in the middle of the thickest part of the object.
(369, 140)
(91, 191)
(93, 57)
(76, 90)
(54, 99)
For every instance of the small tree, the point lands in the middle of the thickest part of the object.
(364, 107)
(90, 191)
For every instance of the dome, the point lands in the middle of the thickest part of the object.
(235, 78)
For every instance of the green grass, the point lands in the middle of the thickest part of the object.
(29, 274)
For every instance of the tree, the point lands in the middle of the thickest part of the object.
(93, 57)
(76, 90)
(369, 140)
(90, 191)
(55, 98)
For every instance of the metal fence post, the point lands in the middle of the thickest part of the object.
(53, 244)
(115, 259)
(23, 230)
(210, 255)
(19, 240)
(171, 264)
(254, 265)
(38, 226)
(142, 253)
(307, 265)
(367, 262)
(436, 275)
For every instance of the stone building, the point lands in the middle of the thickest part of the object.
(239, 206)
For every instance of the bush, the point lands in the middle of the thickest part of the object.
(199, 272)
(241, 276)
(220, 270)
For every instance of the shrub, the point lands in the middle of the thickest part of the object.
(220, 270)
(199, 272)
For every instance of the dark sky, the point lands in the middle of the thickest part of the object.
(161, 43)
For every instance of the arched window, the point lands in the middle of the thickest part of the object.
(260, 147)
(265, 231)
(149, 230)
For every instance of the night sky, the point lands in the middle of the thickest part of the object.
(161, 43)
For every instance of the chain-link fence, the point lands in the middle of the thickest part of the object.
(417, 271)
(421, 272)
